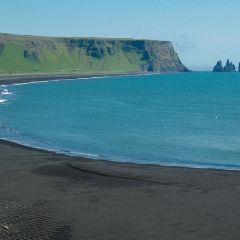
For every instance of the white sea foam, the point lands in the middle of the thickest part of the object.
(94, 156)
(2, 100)
(81, 78)
(26, 83)
(6, 92)
(72, 79)
(18, 84)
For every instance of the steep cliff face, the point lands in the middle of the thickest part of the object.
(45, 54)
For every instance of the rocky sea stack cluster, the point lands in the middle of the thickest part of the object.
(229, 67)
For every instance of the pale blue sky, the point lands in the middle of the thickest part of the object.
(202, 31)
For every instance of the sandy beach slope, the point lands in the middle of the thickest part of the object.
(44, 195)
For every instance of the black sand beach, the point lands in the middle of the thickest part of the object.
(44, 195)
(35, 77)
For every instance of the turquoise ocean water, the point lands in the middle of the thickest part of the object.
(189, 119)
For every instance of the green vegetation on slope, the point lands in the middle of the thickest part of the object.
(28, 54)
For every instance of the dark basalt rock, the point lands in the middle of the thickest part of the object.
(1, 48)
(218, 67)
(110, 50)
(95, 52)
(239, 67)
(32, 44)
(133, 46)
(146, 56)
(31, 55)
(229, 67)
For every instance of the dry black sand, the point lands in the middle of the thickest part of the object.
(44, 195)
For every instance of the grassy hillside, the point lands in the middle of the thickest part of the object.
(28, 54)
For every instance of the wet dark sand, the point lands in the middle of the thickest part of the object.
(26, 78)
(44, 195)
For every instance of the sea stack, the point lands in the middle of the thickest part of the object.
(229, 67)
(218, 67)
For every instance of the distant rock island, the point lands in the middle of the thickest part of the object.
(229, 67)
(35, 54)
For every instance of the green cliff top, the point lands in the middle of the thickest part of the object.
(37, 54)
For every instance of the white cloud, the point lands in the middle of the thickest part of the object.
(183, 43)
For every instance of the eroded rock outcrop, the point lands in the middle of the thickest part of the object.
(229, 67)
(218, 67)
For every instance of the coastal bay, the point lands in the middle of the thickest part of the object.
(119, 120)
(175, 119)
(46, 195)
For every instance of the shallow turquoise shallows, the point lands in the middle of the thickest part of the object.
(189, 119)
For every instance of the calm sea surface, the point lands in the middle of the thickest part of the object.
(189, 119)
